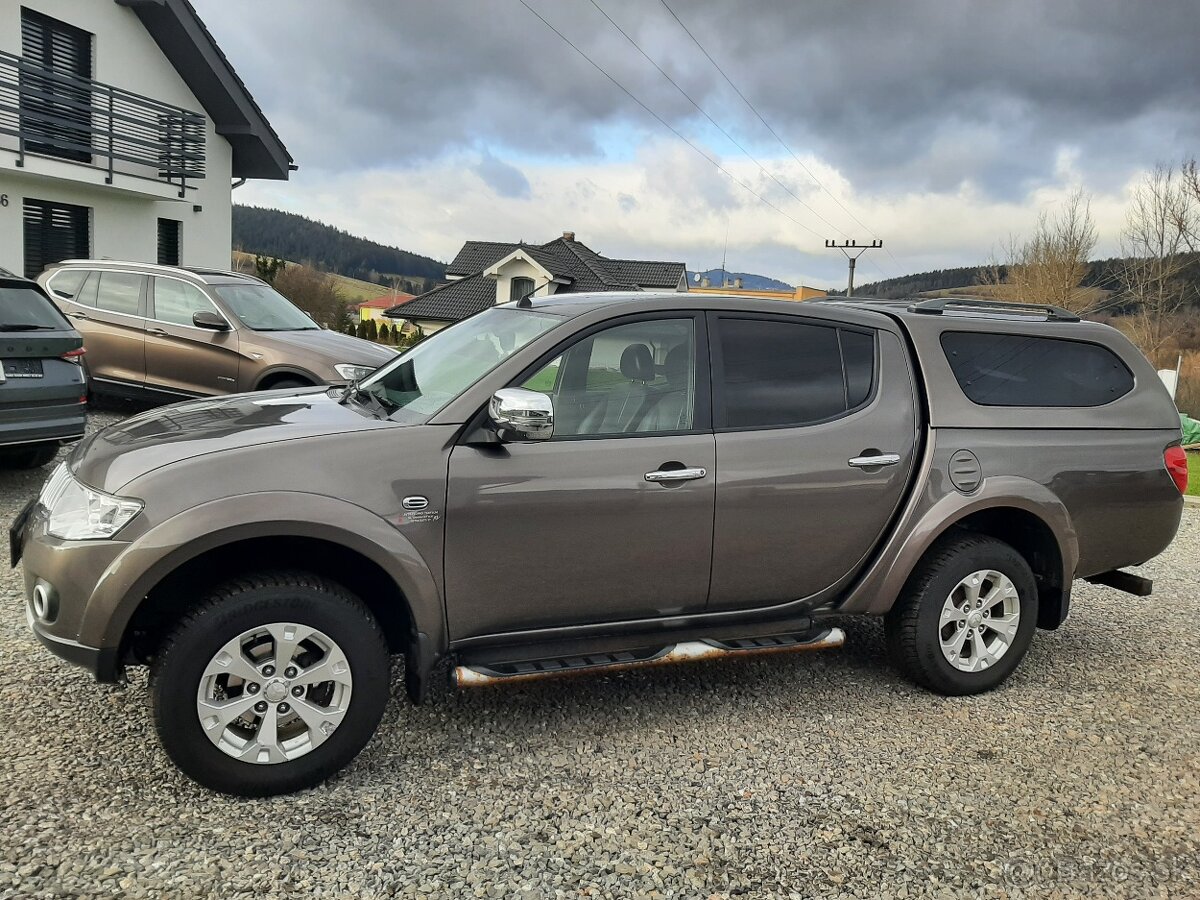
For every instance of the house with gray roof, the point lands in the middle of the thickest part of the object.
(485, 273)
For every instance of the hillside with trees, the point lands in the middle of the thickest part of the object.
(275, 233)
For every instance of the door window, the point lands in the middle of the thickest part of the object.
(119, 292)
(777, 373)
(638, 378)
(176, 301)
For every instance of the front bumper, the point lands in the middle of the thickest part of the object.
(102, 662)
(68, 570)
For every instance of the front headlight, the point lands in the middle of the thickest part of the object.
(351, 372)
(81, 513)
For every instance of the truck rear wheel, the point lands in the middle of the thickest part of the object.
(966, 616)
(271, 684)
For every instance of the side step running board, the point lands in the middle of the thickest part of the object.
(686, 651)
(1124, 581)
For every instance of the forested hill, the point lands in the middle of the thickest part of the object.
(273, 232)
(1102, 273)
(908, 285)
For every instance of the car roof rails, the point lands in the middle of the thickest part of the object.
(996, 308)
(204, 271)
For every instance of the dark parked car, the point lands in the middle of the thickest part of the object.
(42, 394)
(601, 481)
(166, 333)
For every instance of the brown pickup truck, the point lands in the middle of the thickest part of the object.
(590, 482)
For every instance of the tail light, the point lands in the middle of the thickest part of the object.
(1176, 462)
(75, 356)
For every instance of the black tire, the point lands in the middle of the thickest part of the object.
(227, 612)
(285, 383)
(913, 625)
(30, 457)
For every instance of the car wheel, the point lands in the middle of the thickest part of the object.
(30, 457)
(273, 683)
(966, 616)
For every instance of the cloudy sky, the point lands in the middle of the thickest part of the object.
(940, 127)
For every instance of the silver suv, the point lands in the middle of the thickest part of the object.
(170, 332)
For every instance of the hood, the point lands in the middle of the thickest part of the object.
(330, 344)
(111, 458)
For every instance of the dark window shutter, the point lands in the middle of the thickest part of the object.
(55, 107)
(168, 242)
(54, 232)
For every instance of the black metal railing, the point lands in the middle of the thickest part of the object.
(64, 116)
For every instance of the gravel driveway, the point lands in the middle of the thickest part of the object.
(820, 775)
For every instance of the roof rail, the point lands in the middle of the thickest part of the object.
(204, 270)
(1001, 308)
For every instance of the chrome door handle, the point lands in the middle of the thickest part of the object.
(867, 462)
(78, 315)
(157, 332)
(662, 475)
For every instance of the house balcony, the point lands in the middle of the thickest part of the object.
(63, 126)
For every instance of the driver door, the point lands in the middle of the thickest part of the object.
(584, 528)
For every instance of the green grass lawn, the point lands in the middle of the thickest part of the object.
(1193, 487)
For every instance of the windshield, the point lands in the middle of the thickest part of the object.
(262, 308)
(442, 366)
(24, 309)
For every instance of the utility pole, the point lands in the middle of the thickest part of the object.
(846, 247)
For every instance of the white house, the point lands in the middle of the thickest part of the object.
(122, 130)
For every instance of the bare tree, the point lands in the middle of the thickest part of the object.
(315, 292)
(1189, 225)
(1049, 266)
(1160, 231)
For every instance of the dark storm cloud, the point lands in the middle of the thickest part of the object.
(506, 180)
(919, 95)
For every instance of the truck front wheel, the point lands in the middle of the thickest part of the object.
(271, 684)
(966, 616)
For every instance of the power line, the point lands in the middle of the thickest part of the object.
(667, 124)
(713, 121)
(767, 124)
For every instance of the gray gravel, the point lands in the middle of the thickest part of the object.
(805, 776)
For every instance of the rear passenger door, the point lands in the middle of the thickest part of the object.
(109, 311)
(816, 430)
(180, 356)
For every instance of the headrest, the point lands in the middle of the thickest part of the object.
(637, 363)
(676, 366)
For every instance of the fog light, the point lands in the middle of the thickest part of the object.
(45, 602)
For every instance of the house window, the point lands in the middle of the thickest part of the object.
(53, 232)
(520, 288)
(168, 241)
(55, 104)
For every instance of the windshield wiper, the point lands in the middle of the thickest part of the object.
(22, 326)
(368, 398)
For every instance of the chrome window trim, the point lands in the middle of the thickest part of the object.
(200, 287)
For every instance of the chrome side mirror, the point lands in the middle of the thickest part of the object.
(521, 415)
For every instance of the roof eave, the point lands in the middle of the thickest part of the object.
(175, 26)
